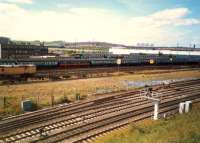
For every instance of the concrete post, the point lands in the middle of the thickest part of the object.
(156, 108)
(181, 107)
(188, 106)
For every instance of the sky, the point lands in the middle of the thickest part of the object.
(161, 22)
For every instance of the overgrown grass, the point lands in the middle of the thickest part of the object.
(41, 93)
(179, 129)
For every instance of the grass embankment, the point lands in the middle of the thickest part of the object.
(179, 129)
(42, 92)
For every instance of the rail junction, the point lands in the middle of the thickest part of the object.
(86, 119)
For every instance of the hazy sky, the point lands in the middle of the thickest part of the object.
(162, 22)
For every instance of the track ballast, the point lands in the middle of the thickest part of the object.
(85, 119)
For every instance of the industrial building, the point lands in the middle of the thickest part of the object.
(21, 51)
(4, 40)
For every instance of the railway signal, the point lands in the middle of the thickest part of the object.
(150, 95)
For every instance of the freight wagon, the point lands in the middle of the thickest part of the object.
(17, 70)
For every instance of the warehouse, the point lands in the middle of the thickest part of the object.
(124, 51)
(21, 51)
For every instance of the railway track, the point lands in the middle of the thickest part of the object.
(105, 120)
(113, 111)
(71, 107)
(42, 112)
(96, 70)
(45, 75)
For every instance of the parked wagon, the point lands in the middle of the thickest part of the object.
(12, 70)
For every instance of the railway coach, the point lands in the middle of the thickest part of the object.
(40, 63)
(103, 62)
(73, 63)
(128, 60)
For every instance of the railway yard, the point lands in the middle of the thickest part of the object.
(83, 120)
(41, 93)
(46, 75)
(82, 97)
(64, 74)
(99, 71)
